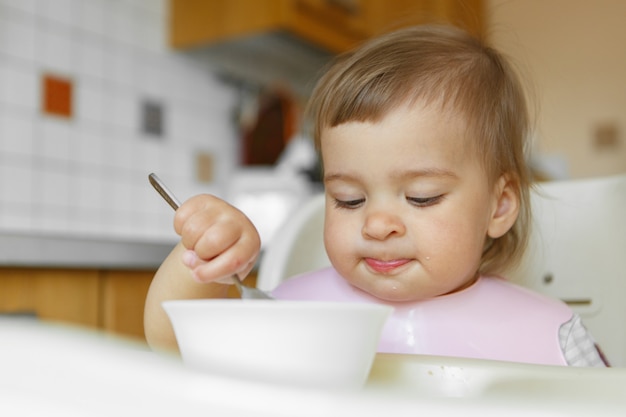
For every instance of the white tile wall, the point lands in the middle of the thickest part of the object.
(88, 175)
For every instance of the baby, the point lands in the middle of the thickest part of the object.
(422, 134)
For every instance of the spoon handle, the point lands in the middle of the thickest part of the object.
(164, 191)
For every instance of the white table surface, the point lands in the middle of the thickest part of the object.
(52, 370)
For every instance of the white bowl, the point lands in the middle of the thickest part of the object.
(308, 343)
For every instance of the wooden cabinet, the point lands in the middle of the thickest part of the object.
(61, 295)
(122, 301)
(336, 25)
(109, 300)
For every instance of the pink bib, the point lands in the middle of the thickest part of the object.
(492, 319)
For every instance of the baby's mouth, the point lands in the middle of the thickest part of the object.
(382, 266)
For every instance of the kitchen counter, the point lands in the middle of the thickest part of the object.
(48, 250)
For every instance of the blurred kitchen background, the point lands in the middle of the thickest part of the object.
(96, 94)
(177, 87)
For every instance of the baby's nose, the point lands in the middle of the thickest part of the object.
(382, 225)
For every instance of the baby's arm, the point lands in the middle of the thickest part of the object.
(217, 240)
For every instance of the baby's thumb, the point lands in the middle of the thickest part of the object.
(190, 259)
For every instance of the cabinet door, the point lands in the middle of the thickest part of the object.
(196, 22)
(123, 299)
(63, 295)
(337, 25)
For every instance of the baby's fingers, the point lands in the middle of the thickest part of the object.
(197, 216)
(219, 269)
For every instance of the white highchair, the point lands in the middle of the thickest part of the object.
(577, 253)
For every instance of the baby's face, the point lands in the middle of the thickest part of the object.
(408, 206)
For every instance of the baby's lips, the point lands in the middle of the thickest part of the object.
(385, 266)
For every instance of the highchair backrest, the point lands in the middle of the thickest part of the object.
(297, 247)
(577, 252)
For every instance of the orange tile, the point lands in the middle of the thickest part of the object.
(57, 96)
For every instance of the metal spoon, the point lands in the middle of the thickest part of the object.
(245, 291)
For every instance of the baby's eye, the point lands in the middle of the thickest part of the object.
(349, 204)
(424, 201)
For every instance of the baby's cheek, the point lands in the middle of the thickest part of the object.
(337, 242)
(333, 250)
(331, 237)
(338, 252)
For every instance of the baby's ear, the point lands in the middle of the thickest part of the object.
(505, 208)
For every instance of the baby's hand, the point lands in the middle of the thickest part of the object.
(220, 240)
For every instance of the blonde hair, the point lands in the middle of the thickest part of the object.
(445, 66)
